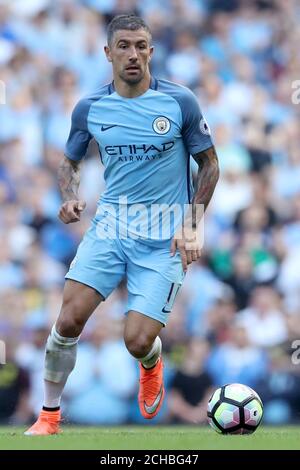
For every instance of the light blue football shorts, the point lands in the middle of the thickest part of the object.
(153, 276)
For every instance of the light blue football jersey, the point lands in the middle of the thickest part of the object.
(145, 145)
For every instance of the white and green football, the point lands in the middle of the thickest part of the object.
(235, 409)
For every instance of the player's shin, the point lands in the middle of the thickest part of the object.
(153, 355)
(59, 362)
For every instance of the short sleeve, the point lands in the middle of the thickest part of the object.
(195, 130)
(79, 136)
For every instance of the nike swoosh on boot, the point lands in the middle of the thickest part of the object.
(152, 408)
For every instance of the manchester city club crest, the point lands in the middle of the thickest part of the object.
(161, 125)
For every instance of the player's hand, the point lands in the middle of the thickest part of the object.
(70, 211)
(186, 241)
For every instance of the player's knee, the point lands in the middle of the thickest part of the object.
(71, 320)
(139, 345)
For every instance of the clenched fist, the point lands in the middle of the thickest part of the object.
(70, 211)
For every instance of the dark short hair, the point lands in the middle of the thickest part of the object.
(129, 22)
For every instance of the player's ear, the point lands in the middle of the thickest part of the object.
(151, 52)
(107, 53)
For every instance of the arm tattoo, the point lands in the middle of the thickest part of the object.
(208, 175)
(69, 179)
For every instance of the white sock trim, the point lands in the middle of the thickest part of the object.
(52, 393)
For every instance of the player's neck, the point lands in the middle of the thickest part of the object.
(132, 90)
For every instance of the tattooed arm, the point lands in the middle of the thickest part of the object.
(186, 240)
(207, 178)
(68, 180)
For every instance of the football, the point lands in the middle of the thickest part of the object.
(235, 409)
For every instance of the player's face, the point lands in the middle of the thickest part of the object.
(130, 53)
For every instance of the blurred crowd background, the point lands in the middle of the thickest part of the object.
(238, 314)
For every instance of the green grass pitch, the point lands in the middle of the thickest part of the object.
(151, 437)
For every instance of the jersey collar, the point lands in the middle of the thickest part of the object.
(153, 85)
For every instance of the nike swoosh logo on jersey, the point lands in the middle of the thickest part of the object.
(105, 128)
(152, 408)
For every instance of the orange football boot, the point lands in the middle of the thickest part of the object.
(46, 424)
(151, 392)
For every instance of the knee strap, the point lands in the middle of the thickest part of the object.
(151, 358)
